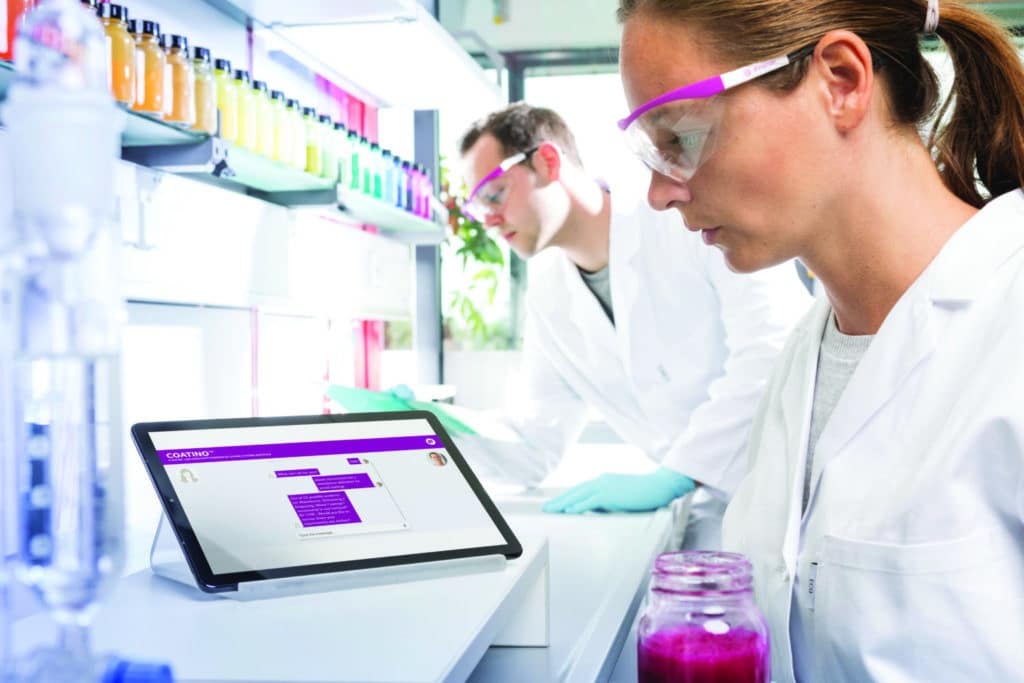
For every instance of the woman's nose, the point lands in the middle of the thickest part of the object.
(664, 190)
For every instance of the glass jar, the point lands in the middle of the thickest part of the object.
(120, 52)
(328, 150)
(699, 623)
(297, 157)
(314, 158)
(247, 121)
(280, 131)
(227, 100)
(206, 92)
(150, 98)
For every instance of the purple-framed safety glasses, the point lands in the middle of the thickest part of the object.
(674, 142)
(715, 85)
(478, 204)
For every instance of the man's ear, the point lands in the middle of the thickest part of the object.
(548, 162)
(843, 63)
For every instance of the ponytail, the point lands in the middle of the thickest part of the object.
(983, 140)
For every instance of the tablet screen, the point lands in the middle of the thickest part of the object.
(268, 496)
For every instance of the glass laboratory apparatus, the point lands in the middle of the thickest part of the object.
(64, 137)
(699, 623)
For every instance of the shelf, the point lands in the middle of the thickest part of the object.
(389, 219)
(220, 163)
(392, 52)
(143, 131)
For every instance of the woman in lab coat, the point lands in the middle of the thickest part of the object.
(884, 507)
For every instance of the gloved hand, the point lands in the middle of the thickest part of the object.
(623, 493)
(452, 425)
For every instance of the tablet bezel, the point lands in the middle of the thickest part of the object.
(209, 582)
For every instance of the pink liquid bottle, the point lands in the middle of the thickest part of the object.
(699, 622)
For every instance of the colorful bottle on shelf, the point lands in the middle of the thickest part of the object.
(264, 118)
(281, 131)
(410, 184)
(377, 181)
(11, 15)
(398, 199)
(365, 166)
(247, 114)
(205, 92)
(314, 160)
(139, 92)
(120, 52)
(150, 98)
(89, 4)
(297, 157)
(181, 108)
(227, 100)
(328, 150)
(388, 177)
(355, 178)
(426, 193)
(341, 150)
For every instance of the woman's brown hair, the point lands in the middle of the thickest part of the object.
(978, 136)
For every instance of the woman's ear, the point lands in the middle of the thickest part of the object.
(843, 63)
(548, 162)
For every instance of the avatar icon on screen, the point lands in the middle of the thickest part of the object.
(439, 459)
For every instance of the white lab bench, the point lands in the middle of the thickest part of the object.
(413, 631)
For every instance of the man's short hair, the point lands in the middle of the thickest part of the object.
(519, 127)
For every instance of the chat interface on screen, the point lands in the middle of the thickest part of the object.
(294, 495)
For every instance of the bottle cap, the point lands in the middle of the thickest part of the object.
(222, 65)
(292, 104)
(308, 111)
(122, 671)
(109, 11)
(340, 126)
(201, 54)
(133, 26)
(277, 95)
(241, 75)
(180, 42)
(150, 28)
(324, 118)
(260, 85)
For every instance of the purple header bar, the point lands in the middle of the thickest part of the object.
(297, 450)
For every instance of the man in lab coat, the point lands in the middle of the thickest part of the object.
(629, 314)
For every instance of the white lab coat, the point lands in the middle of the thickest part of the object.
(917, 495)
(678, 374)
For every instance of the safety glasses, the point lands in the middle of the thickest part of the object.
(673, 134)
(488, 196)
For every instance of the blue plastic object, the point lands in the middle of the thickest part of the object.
(623, 493)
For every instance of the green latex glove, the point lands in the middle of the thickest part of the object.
(398, 398)
(623, 493)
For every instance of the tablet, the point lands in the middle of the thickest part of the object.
(269, 498)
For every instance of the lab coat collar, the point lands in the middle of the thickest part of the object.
(909, 334)
(976, 251)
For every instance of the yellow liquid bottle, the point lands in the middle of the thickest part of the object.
(297, 158)
(227, 100)
(281, 129)
(314, 158)
(264, 119)
(206, 92)
(246, 110)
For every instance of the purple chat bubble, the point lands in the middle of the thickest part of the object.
(324, 509)
(355, 461)
(341, 482)
(296, 473)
